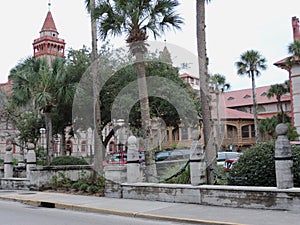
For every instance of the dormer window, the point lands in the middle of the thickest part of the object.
(230, 98)
(247, 96)
(263, 94)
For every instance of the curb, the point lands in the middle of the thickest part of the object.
(73, 207)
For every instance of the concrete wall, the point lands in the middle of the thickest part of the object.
(42, 175)
(216, 195)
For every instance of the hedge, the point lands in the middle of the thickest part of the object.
(256, 167)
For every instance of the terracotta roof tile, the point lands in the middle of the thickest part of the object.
(244, 97)
(49, 24)
(184, 75)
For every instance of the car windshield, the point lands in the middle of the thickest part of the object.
(222, 156)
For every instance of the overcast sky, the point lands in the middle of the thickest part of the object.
(233, 27)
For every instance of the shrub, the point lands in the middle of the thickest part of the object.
(83, 187)
(183, 177)
(92, 189)
(76, 186)
(256, 167)
(68, 160)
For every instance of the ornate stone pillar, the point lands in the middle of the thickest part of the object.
(283, 158)
(197, 165)
(8, 162)
(133, 163)
(31, 159)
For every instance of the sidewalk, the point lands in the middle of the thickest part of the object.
(198, 214)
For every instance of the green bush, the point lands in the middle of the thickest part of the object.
(256, 167)
(92, 189)
(68, 160)
(83, 187)
(76, 186)
(184, 177)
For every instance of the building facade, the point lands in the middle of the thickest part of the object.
(294, 77)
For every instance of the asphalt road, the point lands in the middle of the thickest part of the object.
(14, 213)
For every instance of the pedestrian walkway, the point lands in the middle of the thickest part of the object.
(184, 213)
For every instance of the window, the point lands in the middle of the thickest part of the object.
(245, 131)
(184, 133)
(231, 131)
(252, 131)
(247, 96)
(230, 98)
(83, 146)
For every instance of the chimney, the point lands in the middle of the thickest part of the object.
(296, 31)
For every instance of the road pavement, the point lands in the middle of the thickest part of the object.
(177, 212)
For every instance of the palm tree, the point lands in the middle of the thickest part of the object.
(278, 90)
(294, 50)
(218, 85)
(135, 19)
(42, 87)
(250, 64)
(210, 154)
(98, 147)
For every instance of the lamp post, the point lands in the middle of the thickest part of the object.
(43, 132)
(56, 139)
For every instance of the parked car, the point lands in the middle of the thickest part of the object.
(229, 163)
(223, 156)
(172, 154)
(297, 143)
(121, 158)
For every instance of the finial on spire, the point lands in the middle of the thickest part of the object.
(49, 5)
(165, 42)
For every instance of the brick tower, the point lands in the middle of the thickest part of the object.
(48, 44)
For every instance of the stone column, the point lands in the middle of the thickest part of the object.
(31, 159)
(8, 162)
(283, 158)
(197, 165)
(133, 163)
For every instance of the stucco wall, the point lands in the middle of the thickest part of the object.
(216, 195)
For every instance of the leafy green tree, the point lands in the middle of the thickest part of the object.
(159, 106)
(37, 84)
(267, 127)
(135, 19)
(250, 64)
(218, 85)
(278, 90)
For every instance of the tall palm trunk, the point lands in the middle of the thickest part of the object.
(219, 140)
(49, 141)
(210, 153)
(281, 109)
(98, 148)
(255, 108)
(145, 115)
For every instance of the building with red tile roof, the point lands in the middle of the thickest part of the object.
(294, 77)
(236, 114)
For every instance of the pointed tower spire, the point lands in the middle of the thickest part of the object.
(49, 24)
(48, 44)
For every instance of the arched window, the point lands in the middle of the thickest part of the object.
(83, 146)
(231, 131)
(69, 147)
(245, 131)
